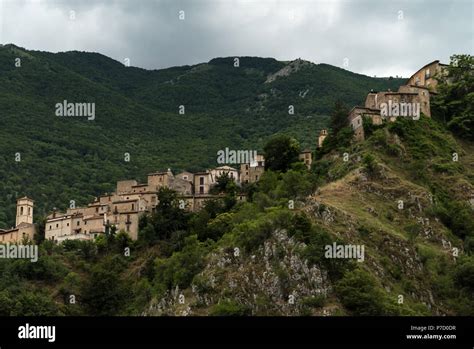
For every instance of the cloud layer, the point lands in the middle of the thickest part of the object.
(371, 37)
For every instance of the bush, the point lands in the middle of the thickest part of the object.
(104, 293)
(464, 274)
(181, 267)
(361, 295)
(230, 308)
(370, 164)
(314, 301)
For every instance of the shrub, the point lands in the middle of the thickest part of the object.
(230, 308)
(360, 294)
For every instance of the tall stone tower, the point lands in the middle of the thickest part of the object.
(322, 136)
(24, 211)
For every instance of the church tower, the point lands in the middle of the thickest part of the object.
(24, 211)
(322, 136)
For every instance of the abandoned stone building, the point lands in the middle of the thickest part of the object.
(306, 156)
(426, 75)
(24, 227)
(252, 172)
(122, 208)
(411, 97)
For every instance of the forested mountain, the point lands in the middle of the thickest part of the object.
(137, 112)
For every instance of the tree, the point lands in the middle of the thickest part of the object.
(280, 152)
(370, 164)
(338, 117)
(167, 218)
(104, 293)
(360, 294)
(454, 104)
(222, 183)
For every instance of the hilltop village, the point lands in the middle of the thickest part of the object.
(123, 208)
(415, 95)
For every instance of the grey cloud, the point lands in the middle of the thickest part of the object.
(368, 33)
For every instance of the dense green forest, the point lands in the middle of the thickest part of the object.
(137, 112)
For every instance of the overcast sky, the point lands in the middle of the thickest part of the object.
(373, 37)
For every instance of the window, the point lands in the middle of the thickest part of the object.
(50, 226)
(78, 223)
(29, 211)
(185, 177)
(67, 224)
(427, 74)
(96, 209)
(201, 180)
(85, 222)
(201, 190)
(21, 210)
(57, 225)
(133, 207)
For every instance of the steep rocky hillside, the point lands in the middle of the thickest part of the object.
(393, 206)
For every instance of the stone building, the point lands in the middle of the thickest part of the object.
(219, 171)
(322, 136)
(24, 226)
(307, 157)
(411, 100)
(426, 75)
(356, 118)
(252, 172)
(122, 209)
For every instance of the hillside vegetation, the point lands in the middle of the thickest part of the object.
(71, 158)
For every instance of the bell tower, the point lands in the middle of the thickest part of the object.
(24, 211)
